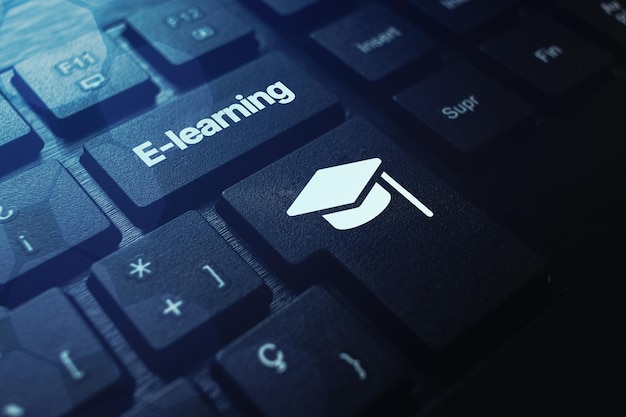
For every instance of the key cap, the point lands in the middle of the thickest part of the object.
(608, 17)
(177, 399)
(414, 243)
(299, 15)
(289, 8)
(209, 137)
(376, 43)
(18, 142)
(83, 85)
(179, 292)
(311, 359)
(464, 106)
(51, 364)
(184, 38)
(47, 223)
(548, 56)
(462, 16)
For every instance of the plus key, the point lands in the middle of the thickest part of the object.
(178, 291)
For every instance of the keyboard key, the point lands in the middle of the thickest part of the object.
(288, 8)
(83, 85)
(410, 237)
(47, 223)
(178, 292)
(464, 106)
(18, 141)
(311, 359)
(608, 17)
(177, 399)
(299, 15)
(51, 364)
(462, 16)
(376, 43)
(548, 56)
(184, 38)
(211, 136)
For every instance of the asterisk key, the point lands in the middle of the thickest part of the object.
(140, 268)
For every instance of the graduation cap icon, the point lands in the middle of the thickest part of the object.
(342, 185)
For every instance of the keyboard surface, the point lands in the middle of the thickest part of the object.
(312, 208)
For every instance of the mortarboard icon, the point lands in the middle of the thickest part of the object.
(342, 185)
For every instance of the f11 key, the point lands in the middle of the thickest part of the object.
(83, 85)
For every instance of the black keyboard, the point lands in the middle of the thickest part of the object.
(312, 208)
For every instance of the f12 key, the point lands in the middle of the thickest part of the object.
(189, 39)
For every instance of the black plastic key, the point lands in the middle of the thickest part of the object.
(186, 39)
(288, 8)
(465, 107)
(311, 359)
(177, 399)
(18, 141)
(209, 137)
(414, 243)
(608, 17)
(462, 16)
(376, 43)
(51, 364)
(179, 292)
(84, 85)
(47, 223)
(548, 56)
(299, 15)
